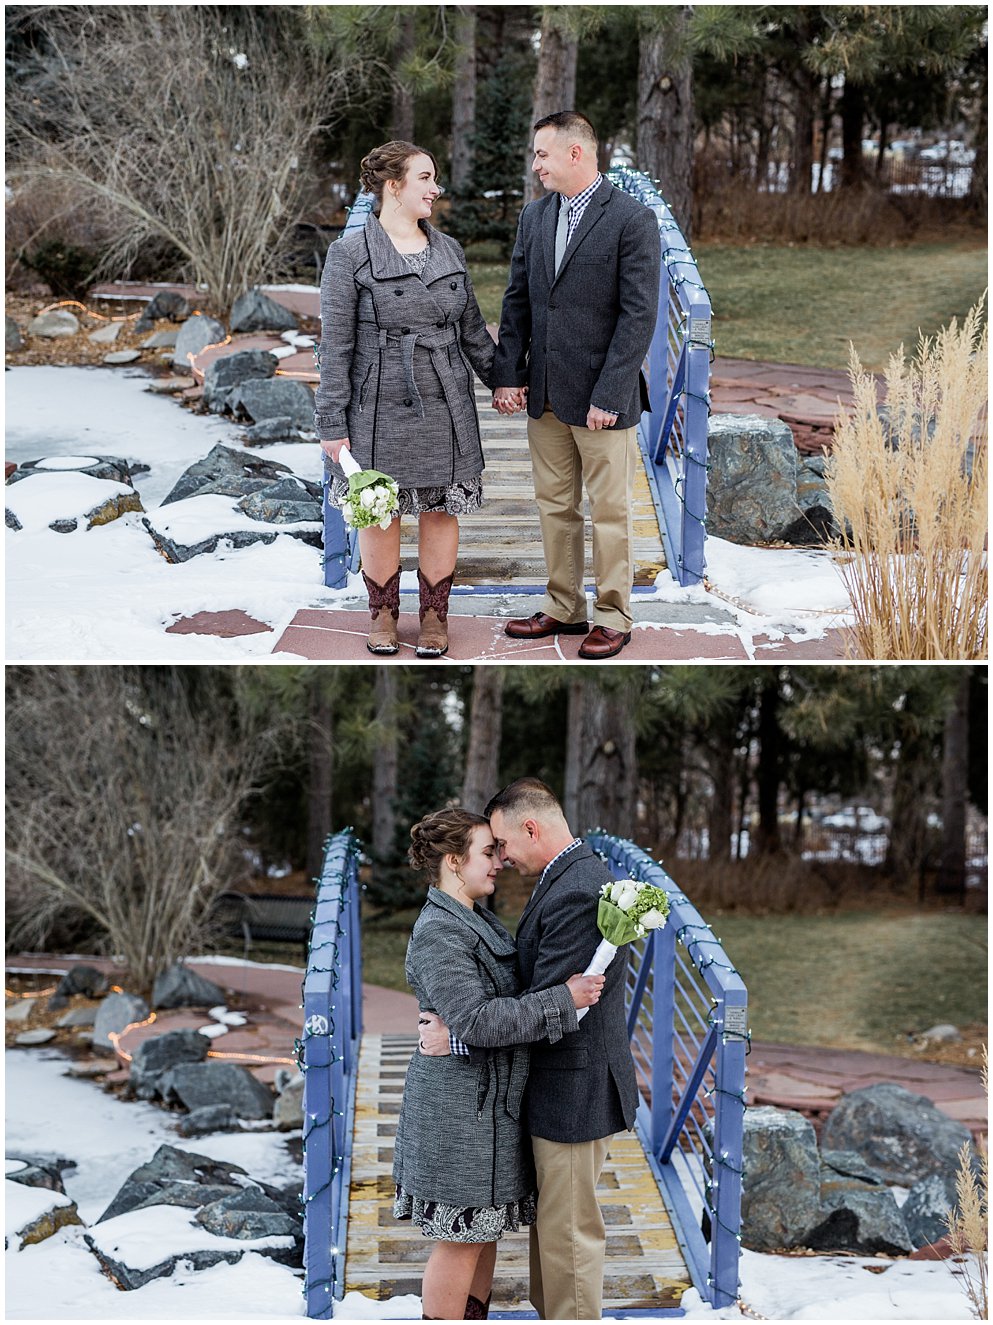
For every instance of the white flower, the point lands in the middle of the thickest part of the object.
(652, 919)
(346, 515)
(385, 524)
(366, 498)
(625, 897)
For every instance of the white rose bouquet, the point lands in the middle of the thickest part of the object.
(627, 910)
(372, 496)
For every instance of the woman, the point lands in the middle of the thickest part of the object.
(463, 1165)
(400, 327)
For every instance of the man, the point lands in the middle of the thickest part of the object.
(577, 319)
(582, 1089)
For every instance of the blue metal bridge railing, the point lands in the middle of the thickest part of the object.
(328, 1056)
(688, 1022)
(673, 437)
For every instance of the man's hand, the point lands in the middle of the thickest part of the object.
(432, 1035)
(509, 399)
(334, 449)
(600, 418)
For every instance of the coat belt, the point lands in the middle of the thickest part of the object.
(434, 340)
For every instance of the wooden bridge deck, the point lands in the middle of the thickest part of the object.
(385, 1258)
(501, 543)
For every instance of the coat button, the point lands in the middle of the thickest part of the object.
(405, 331)
(398, 293)
(408, 403)
(441, 323)
(453, 285)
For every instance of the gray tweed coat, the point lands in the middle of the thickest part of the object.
(579, 338)
(584, 1087)
(397, 355)
(459, 1138)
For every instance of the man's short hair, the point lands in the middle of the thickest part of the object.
(572, 122)
(526, 796)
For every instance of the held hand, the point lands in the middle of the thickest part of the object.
(334, 449)
(432, 1035)
(508, 399)
(599, 418)
(585, 989)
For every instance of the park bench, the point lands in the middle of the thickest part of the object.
(272, 917)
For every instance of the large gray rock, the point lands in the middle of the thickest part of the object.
(211, 1118)
(175, 1177)
(289, 501)
(287, 1112)
(85, 980)
(81, 1018)
(235, 539)
(255, 311)
(115, 1012)
(157, 1055)
(279, 429)
(13, 338)
(179, 987)
(41, 1171)
(856, 1213)
(195, 334)
(274, 398)
(130, 1278)
(227, 472)
(105, 335)
(53, 324)
(59, 1212)
(19, 1011)
(195, 1085)
(781, 1196)
(816, 523)
(31, 1039)
(902, 1135)
(752, 481)
(250, 1214)
(166, 304)
(230, 371)
(926, 1209)
(111, 467)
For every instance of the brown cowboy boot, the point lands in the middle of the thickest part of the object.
(433, 639)
(476, 1310)
(383, 625)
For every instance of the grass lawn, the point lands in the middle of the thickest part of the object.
(857, 980)
(803, 305)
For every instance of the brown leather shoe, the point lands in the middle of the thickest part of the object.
(602, 642)
(540, 625)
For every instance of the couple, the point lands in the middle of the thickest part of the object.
(477, 1154)
(402, 332)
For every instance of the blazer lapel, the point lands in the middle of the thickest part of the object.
(593, 213)
(491, 932)
(549, 220)
(542, 889)
(443, 259)
(386, 263)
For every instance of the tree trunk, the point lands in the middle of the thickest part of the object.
(770, 763)
(608, 766)
(320, 781)
(955, 789)
(804, 107)
(402, 119)
(464, 98)
(485, 725)
(665, 115)
(906, 854)
(385, 767)
(719, 819)
(979, 181)
(554, 84)
(575, 717)
(827, 116)
(852, 127)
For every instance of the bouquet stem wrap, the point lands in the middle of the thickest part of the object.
(348, 462)
(604, 955)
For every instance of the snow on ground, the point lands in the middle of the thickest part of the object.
(105, 593)
(59, 1279)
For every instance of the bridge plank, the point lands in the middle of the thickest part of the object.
(385, 1258)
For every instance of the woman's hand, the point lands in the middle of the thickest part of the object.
(333, 449)
(585, 989)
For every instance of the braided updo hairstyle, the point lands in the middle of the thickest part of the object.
(443, 833)
(389, 162)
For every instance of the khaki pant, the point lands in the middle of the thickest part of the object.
(568, 1242)
(563, 457)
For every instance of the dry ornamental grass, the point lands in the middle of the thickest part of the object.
(909, 488)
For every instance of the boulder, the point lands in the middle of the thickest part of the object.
(77, 1017)
(859, 1218)
(287, 1112)
(279, 429)
(287, 502)
(179, 987)
(273, 398)
(111, 467)
(250, 1214)
(115, 1012)
(107, 334)
(224, 374)
(255, 311)
(19, 1011)
(160, 340)
(130, 1278)
(210, 1118)
(195, 334)
(926, 1209)
(166, 304)
(781, 1195)
(85, 980)
(56, 322)
(118, 357)
(36, 1213)
(817, 523)
(157, 1055)
(31, 1039)
(195, 1085)
(235, 539)
(175, 1177)
(169, 386)
(902, 1135)
(227, 472)
(13, 338)
(752, 481)
(40, 1170)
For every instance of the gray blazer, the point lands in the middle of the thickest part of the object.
(397, 355)
(581, 1088)
(459, 1137)
(579, 338)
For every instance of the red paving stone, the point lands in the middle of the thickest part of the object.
(831, 647)
(226, 625)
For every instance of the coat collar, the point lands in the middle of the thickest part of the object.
(481, 922)
(387, 264)
(594, 210)
(541, 890)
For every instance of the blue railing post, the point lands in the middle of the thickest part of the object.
(663, 1017)
(729, 1116)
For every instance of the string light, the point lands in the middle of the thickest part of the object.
(38, 993)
